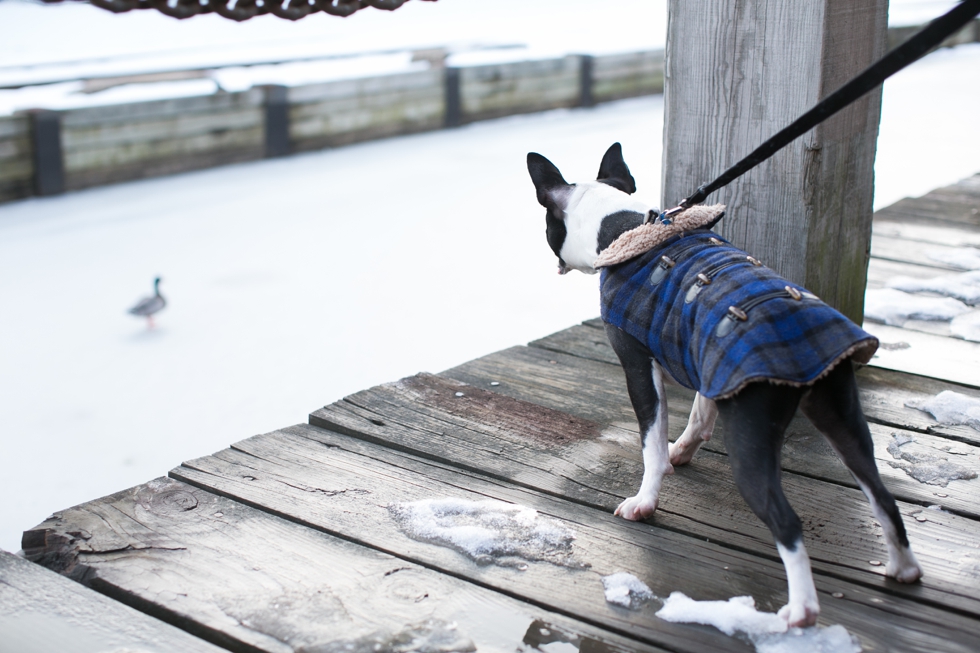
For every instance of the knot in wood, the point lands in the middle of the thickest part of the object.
(170, 502)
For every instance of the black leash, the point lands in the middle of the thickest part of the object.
(907, 53)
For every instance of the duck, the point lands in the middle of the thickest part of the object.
(150, 306)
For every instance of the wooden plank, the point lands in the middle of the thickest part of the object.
(932, 208)
(250, 581)
(12, 171)
(41, 612)
(340, 121)
(597, 392)
(426, 82)
(14, 126)
(627, 75)
(317, 485)
(14, 148)
(599, 466)
(506, 89)
(958, 236)
(881, 270)
(124, 113)
(884, 393)
(939, 357)
(101, 137)
(17, 188)
(193, 160)
(135, 152)
(750, 73)
(908, 251)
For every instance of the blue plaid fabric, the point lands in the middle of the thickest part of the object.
(782, 340)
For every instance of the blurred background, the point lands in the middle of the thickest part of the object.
(331, 204)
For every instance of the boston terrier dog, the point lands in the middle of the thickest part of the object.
(677, 298)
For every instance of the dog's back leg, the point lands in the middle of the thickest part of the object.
(754, 421)
(644, 381)
(700, 425)
(835, 409)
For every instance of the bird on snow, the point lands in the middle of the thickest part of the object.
(150, 306)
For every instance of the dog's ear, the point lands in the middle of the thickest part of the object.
(548, 182)
(613, 170)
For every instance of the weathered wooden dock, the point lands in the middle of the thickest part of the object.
(286, 541)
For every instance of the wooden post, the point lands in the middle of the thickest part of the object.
(738, 71)
(277, 141)
(49, 161)
(586, 80)
(453, 101)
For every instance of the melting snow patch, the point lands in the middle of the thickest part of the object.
(952, 408)
(966, 258)
(965, 286)
(895, 307)
(767, 631)
(489, 532)
(924, 467)
(966, 326)
(626, 590)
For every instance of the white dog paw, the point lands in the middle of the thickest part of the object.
(638, 507)
(904, 567)
(682, 451)
(800, 615)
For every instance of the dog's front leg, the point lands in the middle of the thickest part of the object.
(644, 381)
(699, 428)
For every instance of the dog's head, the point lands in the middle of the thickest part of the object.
(583, 219)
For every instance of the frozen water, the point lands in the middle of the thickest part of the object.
(832, 639)
(966, 326)
(928, 468)
(895, 307)
(737, 614)
(489, 532)
(965, 258)
(626, 590)
(964, 286)
(767, 631)
(949, 407)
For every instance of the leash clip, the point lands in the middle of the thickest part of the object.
(665, 217)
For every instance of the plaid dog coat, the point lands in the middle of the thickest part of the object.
(716, 319)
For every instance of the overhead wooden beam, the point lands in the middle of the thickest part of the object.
(736, 72)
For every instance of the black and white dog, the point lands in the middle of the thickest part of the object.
(754, 345)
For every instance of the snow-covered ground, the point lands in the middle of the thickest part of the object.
(293, 282)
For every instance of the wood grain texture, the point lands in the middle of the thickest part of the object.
(908, 251)
(931, 234)
(627, 75)
(101, 137)
(736, 73)
(939, 357)
(138, 151)
(323, 486)
(41, 612)
(155, 167)
(250, 581)
(160, 109)
(507, 89)
(884, 393)
(599, 465)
